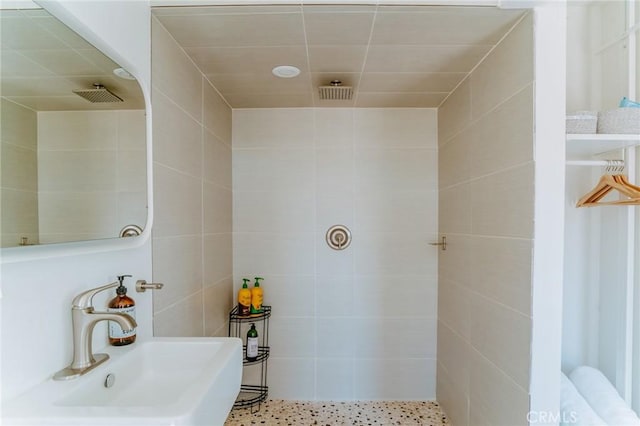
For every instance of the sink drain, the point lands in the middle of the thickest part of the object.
(110, 380)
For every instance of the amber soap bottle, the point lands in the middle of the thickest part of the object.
(125, 305)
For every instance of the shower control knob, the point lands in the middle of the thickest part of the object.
(338, 237)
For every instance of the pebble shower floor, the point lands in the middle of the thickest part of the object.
(293, 413)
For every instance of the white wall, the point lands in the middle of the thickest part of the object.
(609, 49)
(637, 6)
(546, 298)
(580, 290)
(487, 171)
(579, 59)
(352, 324)
(36, 292)
(595, 238)
(192, 176)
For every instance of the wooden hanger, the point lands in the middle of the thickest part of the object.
(623, 180)
(606, 184)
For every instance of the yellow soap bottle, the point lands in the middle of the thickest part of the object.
(244, 299)
(256, 297)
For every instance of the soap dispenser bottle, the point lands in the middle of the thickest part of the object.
(256, 297)
(252, 343)
(125, 305)
(244, 299)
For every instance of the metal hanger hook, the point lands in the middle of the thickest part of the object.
(609, 168)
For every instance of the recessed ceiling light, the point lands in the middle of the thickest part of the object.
(286, 71)
(122, 73)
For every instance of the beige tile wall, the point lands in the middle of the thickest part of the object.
(19, 174)
(192, 242)
(91, 173)
(354, 324)
(486, 211)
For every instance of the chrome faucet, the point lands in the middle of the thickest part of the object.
(84, 318)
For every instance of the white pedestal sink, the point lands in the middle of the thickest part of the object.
(162, 381)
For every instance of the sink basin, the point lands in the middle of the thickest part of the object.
(162, 381)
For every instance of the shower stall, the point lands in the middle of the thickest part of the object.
(442, 138)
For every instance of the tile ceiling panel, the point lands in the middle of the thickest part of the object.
(221, 60)
(62, 32)
(45, 86)
(16, 65)
(258, 100)
(73, 103)
(65, 62)
(341, 8)
(16, 33)
(338, 28)
(461, 58)
(410, 82)
(393, 56)
(442, 25)
(104, 64)
(248, 83)
(225, 10)
(399, 100)
(337, 58)
(264, 29)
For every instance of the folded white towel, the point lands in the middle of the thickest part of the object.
(574, 409)
(603, 397)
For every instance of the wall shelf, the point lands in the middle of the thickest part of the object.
(582, 146)
(263, 355)
(234, 317)
(251, 396)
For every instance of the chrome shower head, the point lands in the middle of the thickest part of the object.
(335, 91)
(99, 94)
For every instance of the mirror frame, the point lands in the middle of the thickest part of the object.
(46, 251)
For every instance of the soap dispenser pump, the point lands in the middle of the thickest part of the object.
(125, 305)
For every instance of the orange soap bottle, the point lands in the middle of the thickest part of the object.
(125, 305)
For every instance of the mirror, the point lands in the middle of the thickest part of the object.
(73, 155)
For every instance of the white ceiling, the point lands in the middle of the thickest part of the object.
(393, 56)
(42, 61)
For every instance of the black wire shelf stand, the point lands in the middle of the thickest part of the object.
(253, 390)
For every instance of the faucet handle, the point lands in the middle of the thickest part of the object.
(143, 285)
(83, 300)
